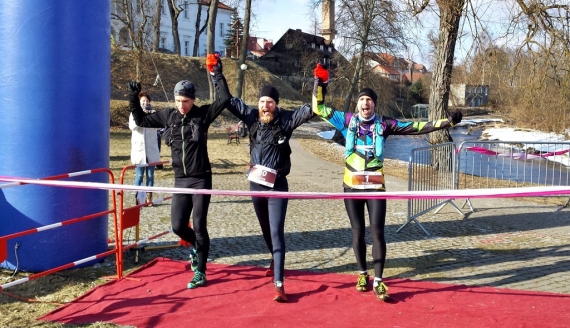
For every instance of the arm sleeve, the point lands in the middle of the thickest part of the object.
(222, 98)
(238, 108)
(302, 115)
(414, 128)
(132, 125)
(153, 120)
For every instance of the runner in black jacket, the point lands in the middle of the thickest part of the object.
(270, 129)
(188, 125)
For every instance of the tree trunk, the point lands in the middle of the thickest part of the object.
(211, 39)
(156, 25)
(174, 12)
(450, 15)
(243, 51)
(198, 29)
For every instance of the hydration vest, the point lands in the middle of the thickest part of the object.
(352, 134)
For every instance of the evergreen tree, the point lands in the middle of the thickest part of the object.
(234, 35)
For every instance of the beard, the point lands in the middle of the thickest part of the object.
(266, 118)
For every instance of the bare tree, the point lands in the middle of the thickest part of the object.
(199, 29)
(134, 16)
(243, 50)
(546, 37)
(156, 25)
(210, 41)
(174, 13)
(366, 26)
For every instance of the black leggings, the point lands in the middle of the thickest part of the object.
(271, 216)
(183, 205)
(377, 215)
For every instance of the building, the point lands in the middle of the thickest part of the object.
(467, 95)
(186, 26)
(397, 69)
(295, 50)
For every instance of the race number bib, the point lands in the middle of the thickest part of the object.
(367, 180)
(262, 175)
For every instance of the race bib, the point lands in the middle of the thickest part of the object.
(262, 175)
(367, 180)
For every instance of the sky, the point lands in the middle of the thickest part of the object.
(272, 18)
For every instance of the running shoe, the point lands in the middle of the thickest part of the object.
(193, 259)
(199, 280)
(362, 282)
(269, 272)
(280, 294)
(381, 292)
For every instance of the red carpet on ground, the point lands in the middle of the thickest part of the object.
(241, 296)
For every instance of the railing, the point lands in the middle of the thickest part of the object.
(430, 168)
(113, 210)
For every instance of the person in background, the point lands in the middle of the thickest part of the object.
(365, 133)
(144, 149)
(270, 129)
(187, 137)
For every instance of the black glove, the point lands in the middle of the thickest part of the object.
(455, 117)
(134, 88)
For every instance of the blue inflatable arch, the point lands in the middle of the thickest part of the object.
(54, 119)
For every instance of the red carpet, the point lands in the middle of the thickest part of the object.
(239, 296)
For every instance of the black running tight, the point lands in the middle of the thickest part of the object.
(271, 216)
(377, 215)
(183, 205)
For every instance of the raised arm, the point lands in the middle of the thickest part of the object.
(214, 65)
(413, 128)
(334, 117)
(153, 120)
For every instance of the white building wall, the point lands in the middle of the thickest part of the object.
(186, 28)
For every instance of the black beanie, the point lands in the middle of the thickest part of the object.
(269, 91)
(370, 93)
(185, 88)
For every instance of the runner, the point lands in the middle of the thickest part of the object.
(365, 134)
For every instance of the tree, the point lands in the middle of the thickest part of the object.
(367, 26)
(174, 13)
(543, 20)
(234, 35)
(134, 16)
(210, 43)
(199, 30)
(243, 50)
(156, 25)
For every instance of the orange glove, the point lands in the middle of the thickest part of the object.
(322, 73)
(213, 62)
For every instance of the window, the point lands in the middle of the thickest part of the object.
(187, 48)
(322, 47)
(185, 7)
(221, 29)
(163, 43)
(163, 7)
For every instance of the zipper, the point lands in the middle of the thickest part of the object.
(183, 144)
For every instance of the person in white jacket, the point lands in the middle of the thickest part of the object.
(144, 147)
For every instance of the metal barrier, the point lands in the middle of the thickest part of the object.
(130, 217)
(430, 168)
(483, 164)
(4, 239)
(499, 164)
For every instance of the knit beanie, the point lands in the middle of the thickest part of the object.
(269, 91)
(370, 93)
(185, 88)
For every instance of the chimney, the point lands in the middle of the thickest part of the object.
(328, 30)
